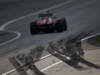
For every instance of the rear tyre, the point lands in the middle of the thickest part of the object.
(33, 28)
(64, 24)
(61, 25)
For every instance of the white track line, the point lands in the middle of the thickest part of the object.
(46, 68)
(45, 56)
(86, 38)
(9, 72)
(17, 37)
(6, 73)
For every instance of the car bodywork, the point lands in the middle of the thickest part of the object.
(48, 24)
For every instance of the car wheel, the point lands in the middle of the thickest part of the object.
(33, 28)
(64, 24)
(61, 25)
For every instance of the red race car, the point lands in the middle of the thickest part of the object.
(47, 23)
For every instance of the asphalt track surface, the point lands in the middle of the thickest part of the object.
(81, 15)
(15, 9)
(11, 9)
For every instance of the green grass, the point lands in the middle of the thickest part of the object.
(98, 38)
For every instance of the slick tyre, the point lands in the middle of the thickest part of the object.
(33, 28)
(61, 25)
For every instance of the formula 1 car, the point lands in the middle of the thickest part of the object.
(47, 23)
